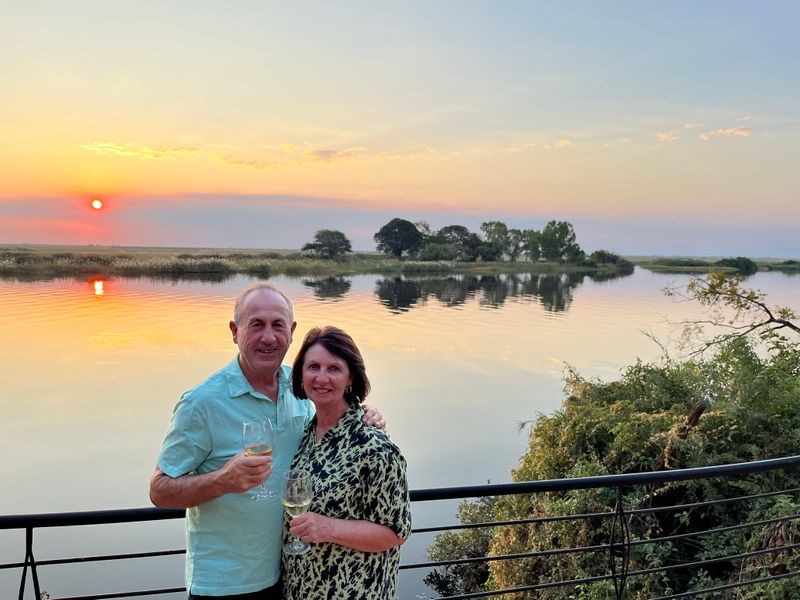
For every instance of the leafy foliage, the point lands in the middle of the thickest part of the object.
(742, 264)
(741, 404)
(558, 242)
(329, 244)
(398, 237)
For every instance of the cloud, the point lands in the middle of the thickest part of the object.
(730, 132)
(329, 155)
(734, 132)
(140, 151)
(559, 145)
(667, 136)
(692, 126)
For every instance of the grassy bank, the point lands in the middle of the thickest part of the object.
(660, 264)
(55, 261)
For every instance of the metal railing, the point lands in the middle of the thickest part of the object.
(617, 549)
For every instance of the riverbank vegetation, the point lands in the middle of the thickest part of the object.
(32, 262)
(738, 400)
(403, 248)
(740, 264)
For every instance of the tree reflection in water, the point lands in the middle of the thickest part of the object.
(329, 288)
(554, 292)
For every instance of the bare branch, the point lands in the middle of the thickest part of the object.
(722, 294)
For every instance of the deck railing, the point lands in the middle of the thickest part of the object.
(617, 548)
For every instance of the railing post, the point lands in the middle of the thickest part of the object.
(619, 546)
(29, 560)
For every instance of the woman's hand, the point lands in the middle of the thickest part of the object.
(364, 536)
(311, 527)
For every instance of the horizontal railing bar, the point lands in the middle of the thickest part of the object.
(528, 588)
(123, 594)
(711, 561)
(575, 582)
(582, 549)
(478, 559)
(582, 483)
(598, 515)
(92, 517)
(728, 586)
(637, 511)
(104, 557)
(518, 522)
(423, 495)
(691, 534)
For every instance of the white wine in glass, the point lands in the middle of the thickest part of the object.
(258, 440)
(296, 498)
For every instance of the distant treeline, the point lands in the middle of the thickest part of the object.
(402, 239)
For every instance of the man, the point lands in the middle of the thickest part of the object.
(234, 542)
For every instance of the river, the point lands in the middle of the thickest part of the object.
(92, 368)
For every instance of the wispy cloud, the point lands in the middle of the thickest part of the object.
(692, 125)
(330, 155)
(140, 151)
(667, 136)
(559, 145)
(730, 132)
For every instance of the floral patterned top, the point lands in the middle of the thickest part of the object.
(358, 474)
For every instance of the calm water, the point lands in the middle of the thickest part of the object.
(91, 370)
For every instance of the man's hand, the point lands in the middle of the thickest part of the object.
(372, 416)
(239, 474)
(242, 473)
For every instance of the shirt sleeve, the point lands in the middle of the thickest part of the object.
(188, 440)
(385, 489)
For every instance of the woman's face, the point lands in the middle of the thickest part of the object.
(325, 376)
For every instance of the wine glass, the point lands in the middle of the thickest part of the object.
(258, 439)
(296, 498)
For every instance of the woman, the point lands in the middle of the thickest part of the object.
(360, 513)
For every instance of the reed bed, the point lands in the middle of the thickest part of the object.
(30, 262)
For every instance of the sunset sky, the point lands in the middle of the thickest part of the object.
(653, 127)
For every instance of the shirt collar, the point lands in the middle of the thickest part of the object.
(239, 386)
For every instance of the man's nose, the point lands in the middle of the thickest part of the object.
(267, 334)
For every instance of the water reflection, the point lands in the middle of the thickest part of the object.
(329, 288)
(554, 292)
(99, 287)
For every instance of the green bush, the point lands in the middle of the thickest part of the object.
(749, 402)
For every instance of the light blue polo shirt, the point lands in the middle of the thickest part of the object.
(233, 543)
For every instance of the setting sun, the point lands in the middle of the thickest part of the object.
(97, 204)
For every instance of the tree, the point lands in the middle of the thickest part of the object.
(558, 242)
(398, 237)
(425, 229)
(329, 244)
(532, 244)
(744, 265)
(496, 235)
(516, 242)
(604, 257)
(734, 310)
(460, 240)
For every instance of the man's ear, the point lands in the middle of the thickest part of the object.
(234, 330)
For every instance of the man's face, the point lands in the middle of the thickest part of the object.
(263, 333)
